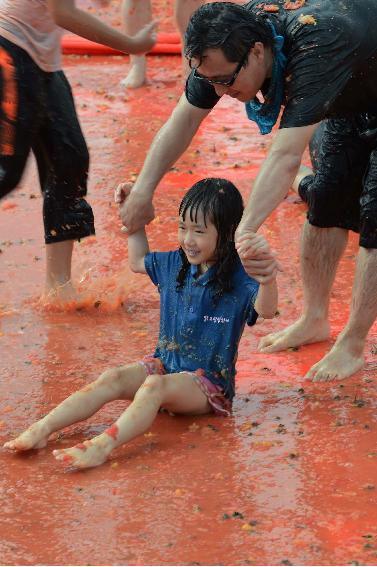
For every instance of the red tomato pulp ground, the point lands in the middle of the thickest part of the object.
(290, 478)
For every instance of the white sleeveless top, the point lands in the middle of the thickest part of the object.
(29, 24)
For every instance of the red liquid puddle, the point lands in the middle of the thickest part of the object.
(289, 478)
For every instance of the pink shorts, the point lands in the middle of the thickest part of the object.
(219, 403)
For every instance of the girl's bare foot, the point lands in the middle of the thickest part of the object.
(302, 332)
(35, 437)
(84, 455)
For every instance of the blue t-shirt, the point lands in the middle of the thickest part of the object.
(195, 333)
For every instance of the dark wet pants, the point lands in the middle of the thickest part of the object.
(343, 191)
(37, 113)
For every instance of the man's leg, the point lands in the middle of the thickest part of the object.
(135, 15)
(347, 355)
(178, 393)
(321, 250)
(340, 159)
(113, 384)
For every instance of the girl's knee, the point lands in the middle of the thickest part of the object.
(110, 377)
(155, 384)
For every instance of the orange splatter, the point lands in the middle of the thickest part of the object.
(307, 20)
(112, 431)
(294, 5)
(268, 7)
(67, 458)
(8, 205)
(9, 103)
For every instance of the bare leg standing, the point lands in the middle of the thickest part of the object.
(347, 355)
(58, 270)
(183, 11)
(135, 15)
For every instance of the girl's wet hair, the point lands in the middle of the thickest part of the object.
(220, 202)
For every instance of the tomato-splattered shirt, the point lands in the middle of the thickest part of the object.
(195, 333)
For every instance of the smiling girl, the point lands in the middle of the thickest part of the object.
(206, 300)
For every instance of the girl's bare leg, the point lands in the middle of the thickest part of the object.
(113, 384)
(135, 15)
(178, 393)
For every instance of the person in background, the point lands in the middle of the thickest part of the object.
(38, 115)
(138, 13)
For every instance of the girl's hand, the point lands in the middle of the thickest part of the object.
(122, 191)
(145, 39)
(251, 245)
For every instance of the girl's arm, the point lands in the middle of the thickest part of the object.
(267, 299)
(255, 246)
(69, 17)
(138, 247)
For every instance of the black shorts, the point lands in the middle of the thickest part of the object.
(37, 113)
(343, 190)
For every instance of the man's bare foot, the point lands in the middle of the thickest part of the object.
(339, 363)
(83, 456)
(35, 437)
(137, 74)
(302, 332)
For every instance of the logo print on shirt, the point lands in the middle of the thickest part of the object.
(209, 318)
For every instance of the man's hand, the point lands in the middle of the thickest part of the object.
(256, 257)
(135, 208)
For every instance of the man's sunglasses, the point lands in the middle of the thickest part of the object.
(224, 82)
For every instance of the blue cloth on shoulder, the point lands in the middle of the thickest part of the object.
(266, 113)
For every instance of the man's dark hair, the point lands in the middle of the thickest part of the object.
(225, 25)
(220, 202)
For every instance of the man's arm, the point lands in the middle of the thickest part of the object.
(275, 176)
(69, 17)
(168, 145)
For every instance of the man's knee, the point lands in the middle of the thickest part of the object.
(368, 229)
(304, 187)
